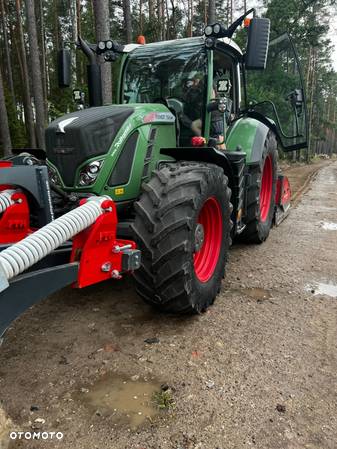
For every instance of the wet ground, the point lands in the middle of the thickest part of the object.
(259, 369)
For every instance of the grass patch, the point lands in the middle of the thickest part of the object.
(163, 399)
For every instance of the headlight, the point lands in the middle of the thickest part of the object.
(89, 173)
(53, 176)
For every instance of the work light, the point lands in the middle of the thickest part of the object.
(101, 45)
(208, 30)
(109, 45)
(216, 30)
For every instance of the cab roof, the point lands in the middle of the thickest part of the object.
(181, 42)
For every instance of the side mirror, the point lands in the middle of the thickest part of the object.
(64, 67)
(296, 99)
(258, 43)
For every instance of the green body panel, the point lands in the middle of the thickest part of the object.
(248, 135)
(144, 119)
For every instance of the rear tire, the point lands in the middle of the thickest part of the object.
(261, 194)
(182, 226)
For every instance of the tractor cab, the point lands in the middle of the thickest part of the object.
(207, 87)
(188, 78)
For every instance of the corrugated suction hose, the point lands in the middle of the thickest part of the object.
(6, 199)
(22, 255)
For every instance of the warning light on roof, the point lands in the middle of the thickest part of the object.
(141, 40)
(246, 22)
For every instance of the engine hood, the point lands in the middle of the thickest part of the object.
(81, 135)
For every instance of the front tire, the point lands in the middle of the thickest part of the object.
(182, 226)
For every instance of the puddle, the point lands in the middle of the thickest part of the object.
(256, 293)
(122, 399)
(328, 226)
(321, 288)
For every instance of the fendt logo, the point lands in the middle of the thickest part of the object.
(64, 123)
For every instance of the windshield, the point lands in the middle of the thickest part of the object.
(157, 72)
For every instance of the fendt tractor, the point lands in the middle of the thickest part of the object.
(159, 184)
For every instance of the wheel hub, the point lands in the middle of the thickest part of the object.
(199, 237)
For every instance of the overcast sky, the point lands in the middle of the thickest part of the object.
(333, 37)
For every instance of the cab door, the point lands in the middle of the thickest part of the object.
(276, 95)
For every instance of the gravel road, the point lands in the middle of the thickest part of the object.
(259, 369)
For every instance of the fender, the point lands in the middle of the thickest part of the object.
(248, 135)
(232, 163)
(201, 154)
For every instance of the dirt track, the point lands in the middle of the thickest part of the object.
(258, 370)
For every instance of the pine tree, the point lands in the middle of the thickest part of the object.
(4, 128)
(35, 72)
(102, 28)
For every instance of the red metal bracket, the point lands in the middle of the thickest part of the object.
(6, 164)
(283, 191)
(14, 222)
(95, 249)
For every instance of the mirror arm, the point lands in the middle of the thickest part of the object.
(231, 30)
(89, 52)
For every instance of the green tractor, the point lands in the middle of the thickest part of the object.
(188, 154)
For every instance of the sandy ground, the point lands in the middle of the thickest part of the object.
(257, 370)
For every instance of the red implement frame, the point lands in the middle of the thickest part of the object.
(282, 199)
(14, 221)
(97, 249)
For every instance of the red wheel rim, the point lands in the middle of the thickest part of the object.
(206, 258)
(266, 188)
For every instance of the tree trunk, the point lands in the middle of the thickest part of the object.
(161, 19)
(43, 60)
(7, 52)
(4, 128)
(190, 18)
(80, 64)
(311, 103)
(151, 10)
(27, 100)
(141, 17)
(127, 21)
(211, 12)
(173, 21)
(74, 32)
(102, 28)
(36, 73)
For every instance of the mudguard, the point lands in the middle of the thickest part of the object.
(248, 135)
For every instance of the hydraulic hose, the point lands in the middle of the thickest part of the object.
(6, 199)
(22, 255)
